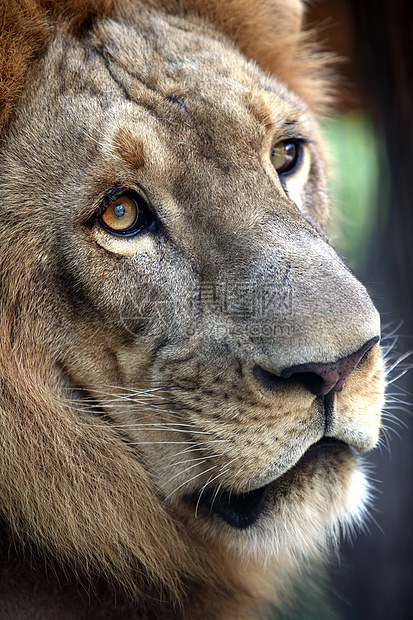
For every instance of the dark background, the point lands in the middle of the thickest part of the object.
(374, 580)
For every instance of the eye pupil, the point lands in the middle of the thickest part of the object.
(119, 210)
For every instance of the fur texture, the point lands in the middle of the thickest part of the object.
(179, 431)
(268, 32)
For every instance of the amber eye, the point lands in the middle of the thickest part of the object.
(285, 156)
(123, 216)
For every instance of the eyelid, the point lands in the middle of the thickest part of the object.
(116, 191)
(111, 196)
(291, 138)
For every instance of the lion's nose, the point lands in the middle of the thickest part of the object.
(320, 378)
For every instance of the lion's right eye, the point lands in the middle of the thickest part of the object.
(124, 216)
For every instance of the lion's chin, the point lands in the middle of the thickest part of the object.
(243, 510)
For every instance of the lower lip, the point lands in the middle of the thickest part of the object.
(243, 510)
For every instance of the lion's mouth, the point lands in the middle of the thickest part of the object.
(240, 511)
(243, 510)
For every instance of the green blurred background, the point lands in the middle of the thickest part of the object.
(354, 185)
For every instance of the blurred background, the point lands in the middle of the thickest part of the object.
(370, 135)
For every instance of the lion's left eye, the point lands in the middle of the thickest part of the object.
(124, 216)
(285, 156)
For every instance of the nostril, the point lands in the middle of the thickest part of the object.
(311, 380)
(267, 379)
(323, 378)
(270, 381)
(319, 378)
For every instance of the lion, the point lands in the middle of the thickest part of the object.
(187, 394)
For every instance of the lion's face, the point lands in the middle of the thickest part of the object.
(191, 301)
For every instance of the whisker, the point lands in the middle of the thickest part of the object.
(217, 490)
(395, 420)
(197, 449)
(394, 330)
(190, 480)
(407, 410)
(399, 376)
(201, 458)
(222, 471)
(399, 360)
(182, 472)
(189, 443)
(387, 349)
(157, 427)
(199, 497)
(394, 397)
(155, 443)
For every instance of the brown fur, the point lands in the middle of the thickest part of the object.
(139, 372)
(265, 31)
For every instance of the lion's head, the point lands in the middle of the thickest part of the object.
(189, 371)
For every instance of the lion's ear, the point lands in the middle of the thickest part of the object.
(270, 32)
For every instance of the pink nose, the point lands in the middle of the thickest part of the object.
(322, 378)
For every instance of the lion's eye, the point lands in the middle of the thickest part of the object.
(123, 216)
(285, 156)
